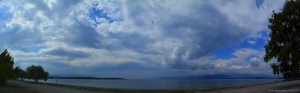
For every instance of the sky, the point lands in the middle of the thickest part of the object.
(138, 38)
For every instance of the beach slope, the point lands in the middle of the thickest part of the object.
(275, 87)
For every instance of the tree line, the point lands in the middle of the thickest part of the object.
(8, 72)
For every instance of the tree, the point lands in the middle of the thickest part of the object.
(19, 73)
(284, 43)
(36, 73)
(6, 66)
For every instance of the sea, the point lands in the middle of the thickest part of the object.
(160, 84)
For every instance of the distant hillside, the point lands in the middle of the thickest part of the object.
(86, 78)
(224, 76)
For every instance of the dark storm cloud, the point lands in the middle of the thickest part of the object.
(133, 41)
(86, 36)
(18, 38)
(120, 67)
(71, 54)
(82, 35)
(202, 29)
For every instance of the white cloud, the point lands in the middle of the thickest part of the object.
(245, 14)
(251, 42)
(254, 59)
(245, 61)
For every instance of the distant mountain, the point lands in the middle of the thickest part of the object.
(69, 75)
(224, 76)
(87, 78)
(217, 76)
(78, 76)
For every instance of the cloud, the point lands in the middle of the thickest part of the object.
(124, 35)
(134, 41)
(199, 28)
(71, 54)
(5, 15)
(245, 61)
(82, 35)
(251, 42)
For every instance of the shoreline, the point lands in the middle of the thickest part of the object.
(293, 86)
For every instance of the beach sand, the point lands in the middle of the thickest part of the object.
(30, 87)
(275, 87)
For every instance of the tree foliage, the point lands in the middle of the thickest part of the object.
(284, 43)
(6, 66)
(8, 72)
(36, 73)
(19, 73)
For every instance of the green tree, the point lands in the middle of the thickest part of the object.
(36, 73)
(284, 43)
(6, 66)
(19, 73)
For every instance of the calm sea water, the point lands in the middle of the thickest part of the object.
(160, 84)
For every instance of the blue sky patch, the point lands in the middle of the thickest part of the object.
(95, 13)
(259, 3)
(256, 43)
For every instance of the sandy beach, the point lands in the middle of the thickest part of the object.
(29, 87)
(276, 87)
